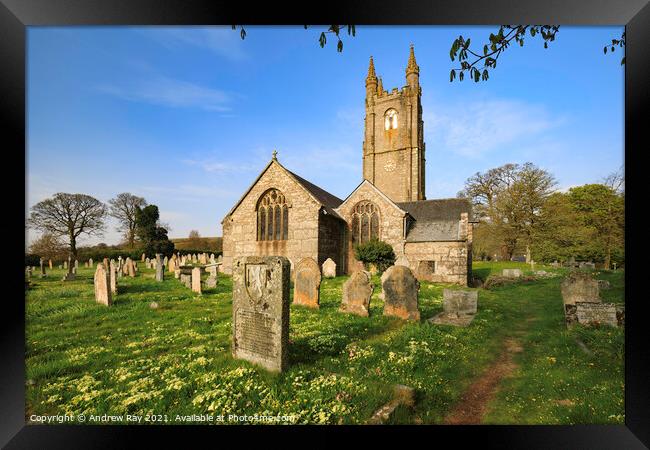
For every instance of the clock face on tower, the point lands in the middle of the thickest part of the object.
(389, 166)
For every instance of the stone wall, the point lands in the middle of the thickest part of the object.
(240, 227)
(451, 260)
(331, 241)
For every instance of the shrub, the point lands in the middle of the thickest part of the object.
(375, 252)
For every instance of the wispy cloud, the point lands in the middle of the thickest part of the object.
(480, 127)
(161, 90)
(191, 192)
(223, 41)
(215, 165)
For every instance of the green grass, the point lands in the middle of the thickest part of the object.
(85, 358)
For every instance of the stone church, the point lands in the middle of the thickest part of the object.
(284, 214)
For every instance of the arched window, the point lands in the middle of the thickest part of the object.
(272, 217)
(390, 119)
(365, 222)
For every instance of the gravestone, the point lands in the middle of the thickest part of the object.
(113, 277)
(69, 276)
(512, 273)
(76, 263)
(165, 261)
(329, 268)
(306, 288)
(212, 260)
(102, 288)
(604, 284)
(90, 263)
(28, 272)
(160, 269)
(402, 261)
(143, 257)
(50, 264)
(186, 280)
(196, 280)
(43, 274)
(400, 288)
(357, 291)
(119, 267)
(458, 308)
(220, 258)
(212, 280)
(203, 258)
(260, 322)
(130, 268)
(172, 264)
(596, 314)
(579, 287)
(177, 273)
(426, 270)
(65, 264)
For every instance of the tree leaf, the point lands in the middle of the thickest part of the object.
(339, 46)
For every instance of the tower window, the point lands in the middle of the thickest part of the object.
(272, 217)
(365, 222)
(390, 120)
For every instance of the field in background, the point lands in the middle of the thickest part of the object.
(82, 357)
(212, 244)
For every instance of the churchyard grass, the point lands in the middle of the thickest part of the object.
(175, 360)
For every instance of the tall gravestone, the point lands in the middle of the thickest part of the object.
(400, 289)
(160, 268)
(357, 291)
(90, 263)
(143, 257)
(43, 275)
(211, 281)
(113, 277)
(76, 263)
(306, 288)
(69, 276)
(120, 271)
(260, 321)
(196, 280)
(50, 264)
(329, 268)
(102, 286)
(130, 269)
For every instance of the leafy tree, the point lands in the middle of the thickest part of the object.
(148, 229)
(377, 252)
(69, 215)
(123, 208)
(600, 208)
(49, 246)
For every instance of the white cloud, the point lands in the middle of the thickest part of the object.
(216, 165)
(224, 41)
(480, 127)
(161, 90)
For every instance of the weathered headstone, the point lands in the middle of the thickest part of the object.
(50, 264)
(165, 261)
(329, 268)
(90, 263)
(102, 288)
(130, 268)
(43, 274)
(306, 288)
(459, 308)
(196, 280)
(177, 273)
(588, 313)
(400, 288)
(65, 264)
(426, 270)
(113, 277)
(28, 272)
(70, 275)
(143, 257)
(579, 287)
(186, 280)
(212, 260)
(512, 273)
(220, 258)
(357, 291)
(160, 268)
(260, 319)
(76, 263)
(120, 270)
(172, 263)
(211, 281)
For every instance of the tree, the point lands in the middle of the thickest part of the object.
(601, 208)
(123, 208)
(508, 201)
(148, 229)
(69, 215)
(48, 246)
(195, 241)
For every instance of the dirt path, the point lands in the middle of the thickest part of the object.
(473, 404)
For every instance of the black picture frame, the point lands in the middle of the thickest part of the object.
(16, 15)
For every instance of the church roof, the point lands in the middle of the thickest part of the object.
(326, 199)
(436, 220)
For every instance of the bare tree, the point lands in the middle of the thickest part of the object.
(616, 181)
(123, 209)
(69, 215)
(48, 246)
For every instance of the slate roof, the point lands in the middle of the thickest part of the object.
(435, 220)
(330, 201)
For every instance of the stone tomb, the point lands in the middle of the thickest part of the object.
(580, 287)
(357, 291)
(459, 308)
(102, 286)
(512, 273)
(400, 288)
(329, 268)
(306, 288)
(260, 321)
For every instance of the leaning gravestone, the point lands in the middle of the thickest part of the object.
(357, 291)
(458, 308)
(306, 288)
(159, 268)
(260, 320)
(329, 268)
(102, 288)
(400, 288)
(196, 280)
(512, 273)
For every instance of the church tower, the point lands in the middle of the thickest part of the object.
(393, 146)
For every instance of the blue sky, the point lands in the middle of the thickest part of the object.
(187, 117)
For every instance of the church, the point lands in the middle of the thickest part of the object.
(283, 214)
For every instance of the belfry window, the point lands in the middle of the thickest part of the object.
(365, 222)
(272, 217)
(390, 120)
